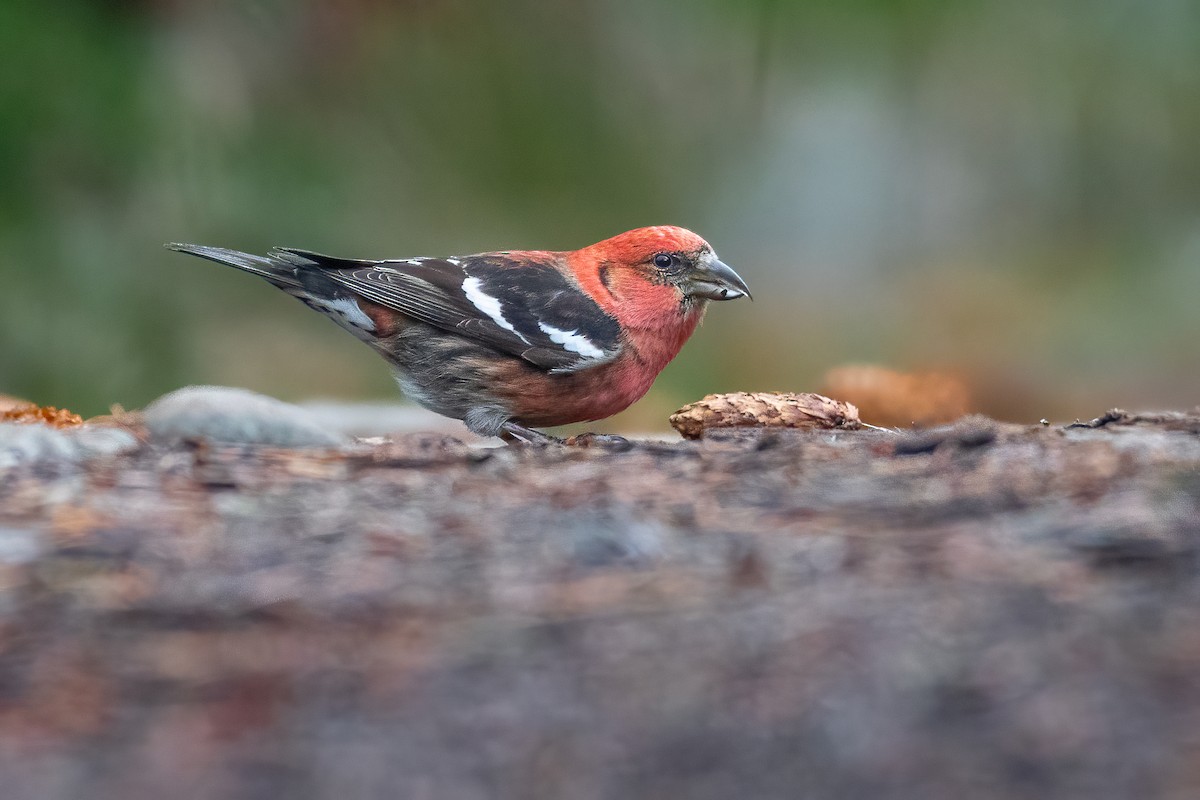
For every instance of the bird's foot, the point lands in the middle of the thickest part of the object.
(606, 441)
(512, 433)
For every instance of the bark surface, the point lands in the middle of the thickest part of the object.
(984, 611)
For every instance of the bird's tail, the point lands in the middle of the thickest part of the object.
(278, 271)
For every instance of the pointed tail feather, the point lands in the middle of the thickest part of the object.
(277, 271)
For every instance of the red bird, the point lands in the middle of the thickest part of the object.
(516, 338)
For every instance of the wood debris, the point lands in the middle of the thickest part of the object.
(48, 415)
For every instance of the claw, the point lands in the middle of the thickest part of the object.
(608, 441)
(513, 433)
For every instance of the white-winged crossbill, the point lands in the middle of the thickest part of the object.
(517, 338)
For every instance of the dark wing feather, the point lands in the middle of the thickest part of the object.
(522, 307)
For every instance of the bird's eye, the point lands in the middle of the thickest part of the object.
(662, 260)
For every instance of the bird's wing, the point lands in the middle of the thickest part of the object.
(520, 306)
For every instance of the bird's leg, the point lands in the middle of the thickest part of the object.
(512, 432)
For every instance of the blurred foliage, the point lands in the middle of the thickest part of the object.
(1010, 192)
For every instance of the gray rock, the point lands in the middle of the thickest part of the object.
(239, 416)
(26, 443)
(22, 443)
(97, 442)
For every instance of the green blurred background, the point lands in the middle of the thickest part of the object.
(1006, 191)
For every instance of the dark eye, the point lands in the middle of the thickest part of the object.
(662, 260)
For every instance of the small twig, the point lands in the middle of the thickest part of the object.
(1112, 415)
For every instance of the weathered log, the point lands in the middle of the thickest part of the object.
(982, 610)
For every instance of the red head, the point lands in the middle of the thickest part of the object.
(655, 278)
(657, 283)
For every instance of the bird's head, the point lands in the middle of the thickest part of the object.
(650, 275)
